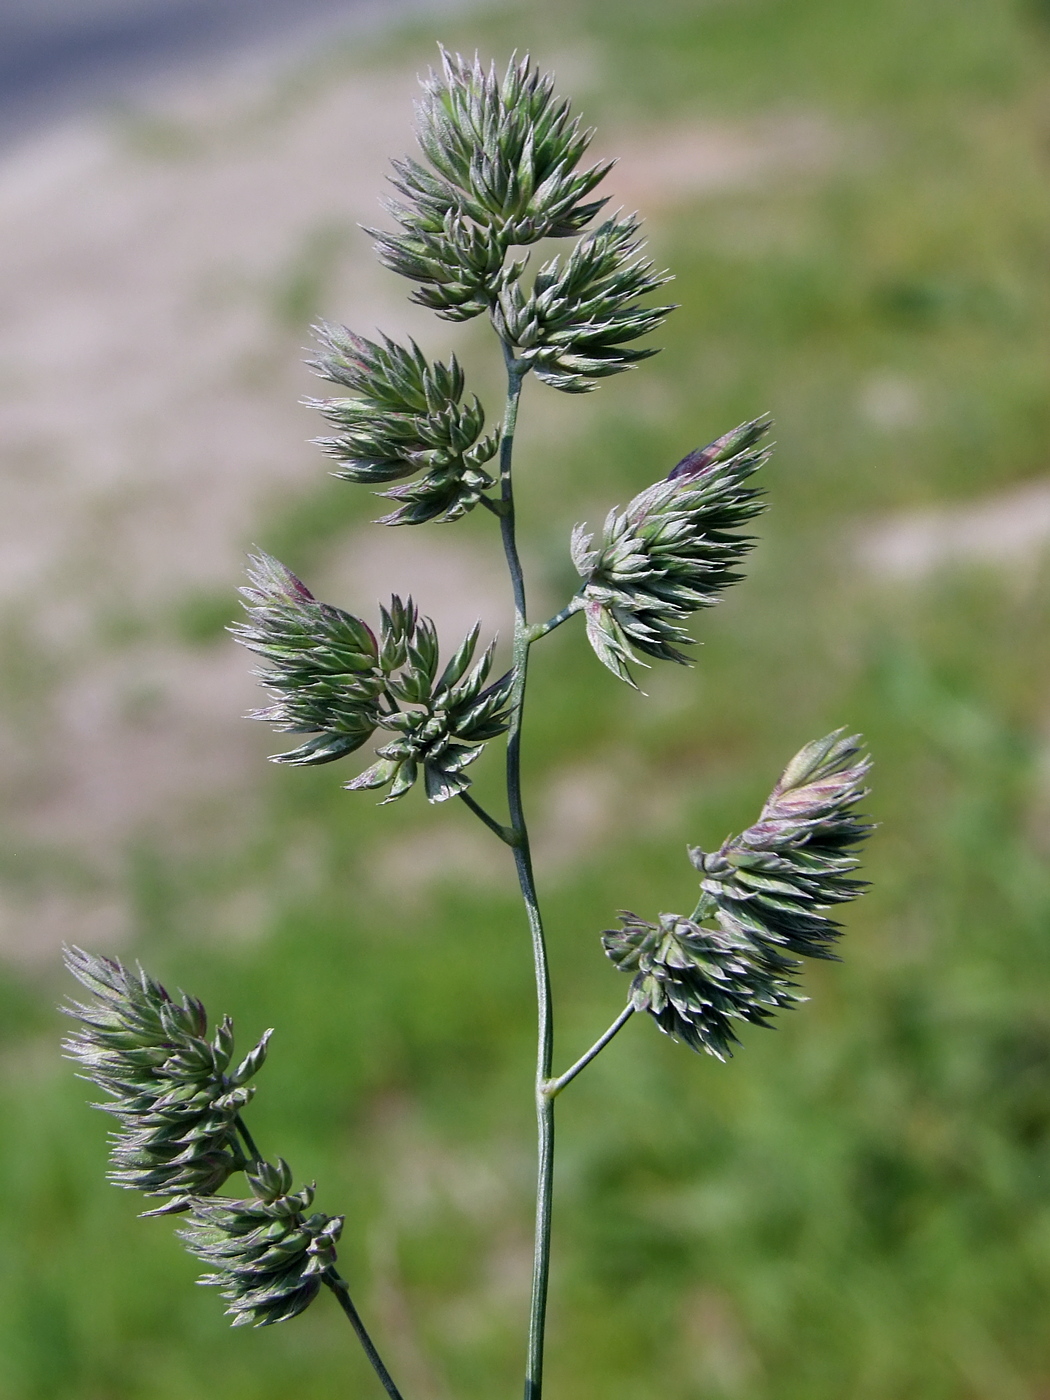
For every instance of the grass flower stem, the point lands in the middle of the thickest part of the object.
(254, 1155)
(553, 1087)
(340, 1288)
(541, 629)
(523, 863)
(503, 832)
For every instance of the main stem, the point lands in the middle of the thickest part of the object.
(523, 862)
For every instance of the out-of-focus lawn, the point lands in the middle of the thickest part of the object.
(859, 1204)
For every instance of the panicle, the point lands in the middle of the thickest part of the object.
(695, 982)
(670, 553)
(501, 170)
(455, 715)
(774, 883)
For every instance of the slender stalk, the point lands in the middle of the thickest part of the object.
(337, 1284)
(503, 832)
(254, 1155)
(340, 1288)
(523, 862)
(553, 1087)
(541, 630)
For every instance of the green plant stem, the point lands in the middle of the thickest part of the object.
(254, 1155)
(339, 1287)
(523, 862)
(541, 630)
(503, 832)
(553, 1087)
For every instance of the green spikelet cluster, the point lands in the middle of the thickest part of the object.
(764, 901)
(408, 417)
(670, 553)
(502, 157)
(695, 982)
(267, 1254)
(774, 883)
(172, 1090)
(455, 715)
(333, 679)
(575, 325)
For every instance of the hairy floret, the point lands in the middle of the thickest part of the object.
(670, 553)
(172, 1090)
(268, 1255)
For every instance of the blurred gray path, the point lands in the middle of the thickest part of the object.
(61, 56)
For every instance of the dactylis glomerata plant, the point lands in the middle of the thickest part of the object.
(501, 169)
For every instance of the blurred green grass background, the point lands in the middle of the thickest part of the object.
(859, 1204)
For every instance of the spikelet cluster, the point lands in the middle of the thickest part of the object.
(334, 679)
(171, 1087)
(576, 324)
(502, 158)
(765, 897)
(670, 553)
(268, 1254)
(501, 170)
(408, 417)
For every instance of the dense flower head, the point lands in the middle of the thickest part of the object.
(775, 882)
(764, 901)
(501, 170)
(172, 1090)
(322, 669)
(268, 1253)
(671, 552)
(335, 680)
(576, 324)
(409, 417)
(695, 982)
(451, 718)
